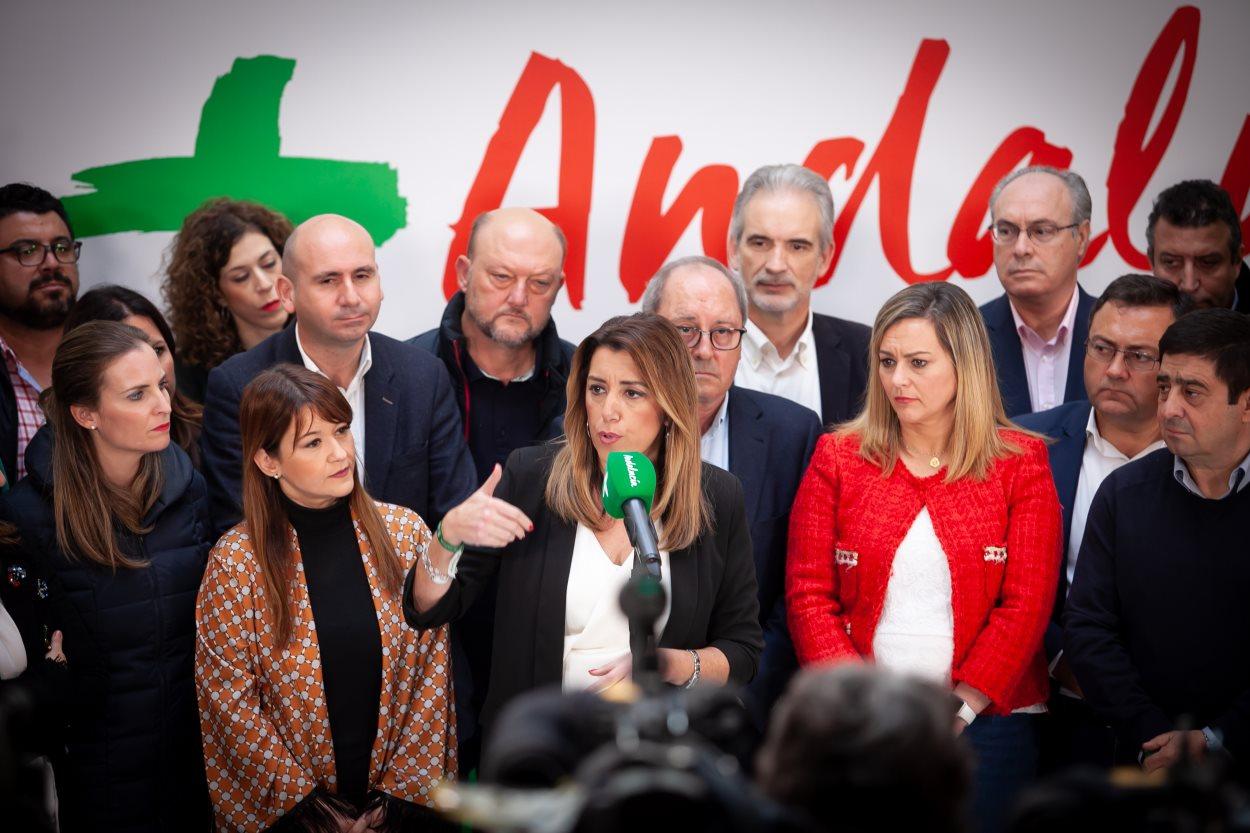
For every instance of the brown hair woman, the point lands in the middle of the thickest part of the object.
(219, 285)
(320, 708)
(631, 388)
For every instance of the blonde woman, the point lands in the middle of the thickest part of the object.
(925, 536)
(557, 621)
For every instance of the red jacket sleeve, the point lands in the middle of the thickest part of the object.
(1012, 636)
(814, 608)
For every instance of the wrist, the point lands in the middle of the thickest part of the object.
(450, 542)
(966, 713)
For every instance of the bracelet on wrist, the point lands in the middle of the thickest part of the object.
(442, 542)
(435, 575)
(966, 713)
(694, 675)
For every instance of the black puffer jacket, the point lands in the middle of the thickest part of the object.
(134, 761)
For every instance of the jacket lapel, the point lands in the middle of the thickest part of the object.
(748, 447)
(1074, 389)
(833, 365)
(553, 584)
(1013, 382)
(684, 589)
(381, 418)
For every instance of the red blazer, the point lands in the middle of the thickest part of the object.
(1001, 536)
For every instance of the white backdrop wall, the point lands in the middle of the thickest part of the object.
(421, 88)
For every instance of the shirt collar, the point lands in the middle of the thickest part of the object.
(1065, 326)
(1237, 481)
(756, 347)
(1104, 446)
(366, 360)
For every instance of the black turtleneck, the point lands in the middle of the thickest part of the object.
(347, 635)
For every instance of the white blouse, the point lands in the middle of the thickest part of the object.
(916, 632)
(595, 630)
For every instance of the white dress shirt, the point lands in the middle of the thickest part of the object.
(354, 392)
(714, 444)
(796, 377)
(595, 630)
(1046, 361)
(1099, 460)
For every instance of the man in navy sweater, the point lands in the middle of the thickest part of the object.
(1156, 624)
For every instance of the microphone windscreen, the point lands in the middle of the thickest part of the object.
(626, 475)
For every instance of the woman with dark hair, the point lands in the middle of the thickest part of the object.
(117, 303)
(925, 537)
(118, 519)
(557, 620)
(320, 708)
(219, 285)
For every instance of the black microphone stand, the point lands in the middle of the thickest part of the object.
(642, 601)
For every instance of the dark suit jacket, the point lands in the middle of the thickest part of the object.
(8, 428)
(415, 454)
(771, 440)
(1243, 289)
(842, 361)
(713, 586)
(1066, 426)
(1013, 382)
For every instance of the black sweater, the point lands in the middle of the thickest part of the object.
(347, 635)
(1157, 624)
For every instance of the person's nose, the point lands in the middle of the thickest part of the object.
(264, 281)
(1189, 278)
(518, 294)
(348, 296)
(1117, 368)
(776, 262)
(899, 377)
(703, 350)
(1170, 406)
(1023, 247)
(339, 449)
(164, 405)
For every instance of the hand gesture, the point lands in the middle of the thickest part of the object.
(484, 520)
(611, 673)
(55, 653)
(1164, 751)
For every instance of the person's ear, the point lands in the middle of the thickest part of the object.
(286, 293)
(267, 465)
(84, 416)
(463, 264)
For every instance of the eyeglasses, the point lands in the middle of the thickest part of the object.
(1040, 233)
(32, 252)
(722, 338)
(1136, 360)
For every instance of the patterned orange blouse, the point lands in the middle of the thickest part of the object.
(263, 710)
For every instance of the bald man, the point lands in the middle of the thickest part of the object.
(508, 368)
(507, 363)
(404, 417)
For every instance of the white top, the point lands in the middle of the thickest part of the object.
(12, 651)
(354, 392)
(595, 630)
(1099, 460)
(916, 632)
(795, 377)
(714, 444)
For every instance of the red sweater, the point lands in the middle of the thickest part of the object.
(1001, 536)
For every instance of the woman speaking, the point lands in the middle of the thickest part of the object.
(926, 535)
(557, 620)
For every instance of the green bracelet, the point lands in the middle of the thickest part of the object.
(438, 534)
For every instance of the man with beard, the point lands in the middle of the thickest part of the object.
(1156, 623)
(1092, 438)
(1040, 227)
(404, 422)
(508, 369)
(38, 285)
(507, 364)
(780, 242)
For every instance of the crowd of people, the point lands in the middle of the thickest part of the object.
(268, 569)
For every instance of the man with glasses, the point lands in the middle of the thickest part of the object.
(38, 286)
(1115, 425)
(1040, 228)
(765, 440)
(508, 369)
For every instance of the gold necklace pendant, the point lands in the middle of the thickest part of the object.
(935, 463)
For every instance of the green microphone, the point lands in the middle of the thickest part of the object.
(628, 492)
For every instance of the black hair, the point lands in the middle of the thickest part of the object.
(111, 302)
(22, 196)
(1195, 203)
(1218, 335)
(1136, 290)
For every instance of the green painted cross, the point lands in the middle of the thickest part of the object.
(237, 155)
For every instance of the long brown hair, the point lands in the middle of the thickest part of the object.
(574, 488)
(85, 504)
(282, 398)
(117, 303)
(975, 439)
(203, 323)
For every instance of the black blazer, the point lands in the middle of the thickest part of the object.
(8, 428)
(1066, 426)
(713, 586)
(842, 363)
(771, 440)
(415, 454)
(1013, 382)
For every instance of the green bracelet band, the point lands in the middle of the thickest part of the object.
(438, 534)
